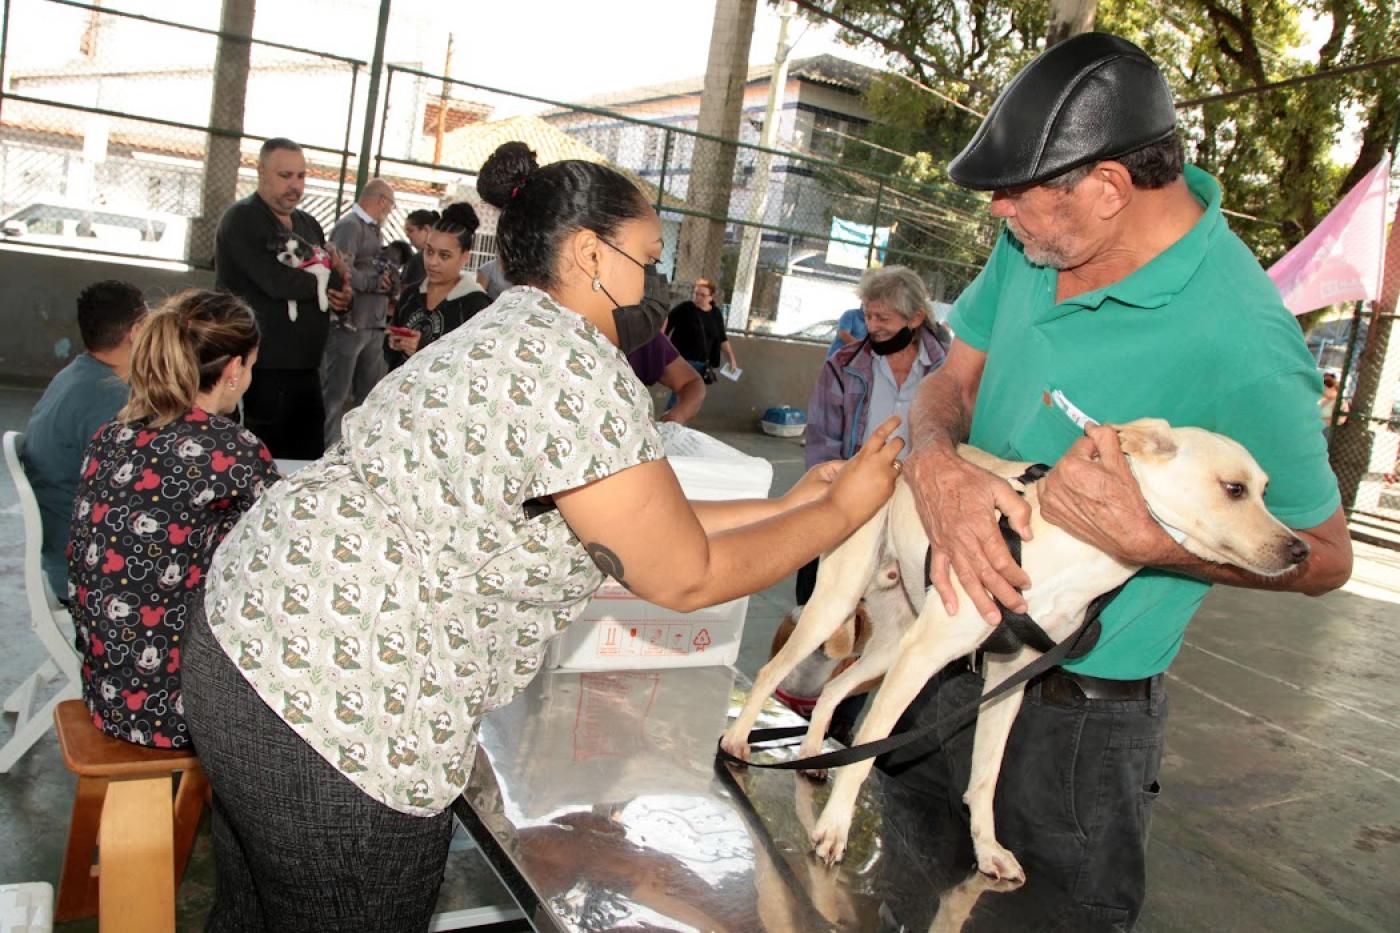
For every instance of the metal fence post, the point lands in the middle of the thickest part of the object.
(665, 162)
(874, 222)
(1346, 363)
(372, 101)
(383, 120)
(4, 46)
(345, 148)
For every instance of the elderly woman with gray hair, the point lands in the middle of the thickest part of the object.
(867, 381)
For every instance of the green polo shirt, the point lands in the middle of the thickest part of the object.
(1198, 336)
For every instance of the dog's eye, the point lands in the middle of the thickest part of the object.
(1234, 490)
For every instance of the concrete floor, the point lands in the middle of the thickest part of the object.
(1280, 808)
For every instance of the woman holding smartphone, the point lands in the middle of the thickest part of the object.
(447, 297)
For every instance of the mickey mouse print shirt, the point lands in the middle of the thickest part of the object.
(384, 599)
(152, 505)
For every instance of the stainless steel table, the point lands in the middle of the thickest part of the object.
(596, 798)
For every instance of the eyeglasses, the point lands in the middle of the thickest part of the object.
(642, 265)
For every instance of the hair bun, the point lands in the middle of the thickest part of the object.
(505, 172)
(459, 214)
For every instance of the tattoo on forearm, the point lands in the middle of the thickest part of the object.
(607, 561)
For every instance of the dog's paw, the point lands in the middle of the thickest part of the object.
(998, 863)
(736, 743)
(829, 838)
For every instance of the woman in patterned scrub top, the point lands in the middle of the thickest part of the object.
(160, 486)
(370, 609)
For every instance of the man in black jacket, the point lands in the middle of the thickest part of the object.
(283, 405)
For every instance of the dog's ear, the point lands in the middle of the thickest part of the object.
(785, 630)
(1147, 438)
(842, 643)
(862, 624)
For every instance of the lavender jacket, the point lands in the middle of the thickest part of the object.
(840, 403)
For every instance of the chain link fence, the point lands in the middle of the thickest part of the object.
(813, 223)
(129, 135)
(1361, 352)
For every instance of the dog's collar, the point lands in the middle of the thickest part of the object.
(1176, 534)
(800, 705)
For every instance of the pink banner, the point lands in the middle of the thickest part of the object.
(1342, 259)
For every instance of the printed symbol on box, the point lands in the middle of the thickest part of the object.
(610, 645)
(656, 640)
(678, 636)
(702, 640)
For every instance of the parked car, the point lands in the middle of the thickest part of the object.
(822, 331)
(95, 228)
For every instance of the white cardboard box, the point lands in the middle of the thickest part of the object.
(618, 631)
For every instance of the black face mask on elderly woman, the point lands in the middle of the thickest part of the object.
(638, 324)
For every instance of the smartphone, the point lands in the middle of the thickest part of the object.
(401, 331)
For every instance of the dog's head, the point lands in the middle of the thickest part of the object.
(290, 250)
(1210, 489)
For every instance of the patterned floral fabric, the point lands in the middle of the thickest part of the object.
(152, 505)
(386, 597)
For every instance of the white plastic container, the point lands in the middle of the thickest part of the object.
(618, 631)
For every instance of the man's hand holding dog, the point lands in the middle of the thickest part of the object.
(1091, 493)
(959, 503)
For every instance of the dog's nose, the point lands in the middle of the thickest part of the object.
(1297, 551)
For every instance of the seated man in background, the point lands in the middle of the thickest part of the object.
(85, 395)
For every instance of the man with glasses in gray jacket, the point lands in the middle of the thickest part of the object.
(354, 359)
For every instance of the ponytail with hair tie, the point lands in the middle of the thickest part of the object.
(182, 349)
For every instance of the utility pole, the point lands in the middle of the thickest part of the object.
(1069, 18)
(752, 237)
(712, 163)
(442, 104)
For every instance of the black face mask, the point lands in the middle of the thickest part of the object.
(637, 325)
(896, 343)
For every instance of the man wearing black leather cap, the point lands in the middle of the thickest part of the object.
(1116, 291)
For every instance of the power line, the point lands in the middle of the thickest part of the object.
(1389, 62)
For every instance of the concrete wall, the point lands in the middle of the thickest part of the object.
(39, 300)
(776, 372)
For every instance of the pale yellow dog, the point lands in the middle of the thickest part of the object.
(1203, 487)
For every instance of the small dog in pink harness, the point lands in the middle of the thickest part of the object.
(295, 252)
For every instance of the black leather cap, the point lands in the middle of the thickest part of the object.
(1091, 97)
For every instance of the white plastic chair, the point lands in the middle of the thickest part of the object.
(49, 620)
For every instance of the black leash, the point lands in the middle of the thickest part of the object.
(1016, 629)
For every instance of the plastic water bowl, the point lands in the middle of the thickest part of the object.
(784, 421)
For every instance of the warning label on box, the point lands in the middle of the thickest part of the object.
(647, 639)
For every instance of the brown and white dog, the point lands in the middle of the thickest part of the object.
(1205, 487)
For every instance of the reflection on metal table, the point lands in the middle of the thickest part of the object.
(596, 798)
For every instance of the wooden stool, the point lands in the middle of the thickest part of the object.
(122, 810)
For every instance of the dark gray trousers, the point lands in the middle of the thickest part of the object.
(1073, 802)
(299, 847)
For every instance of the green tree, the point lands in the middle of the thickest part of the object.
(1272, 152)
